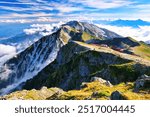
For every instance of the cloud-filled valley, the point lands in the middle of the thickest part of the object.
(142, 33)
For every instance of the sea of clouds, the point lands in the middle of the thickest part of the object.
(6, 49)
(6, 52)
(142, 33)
(29, 36)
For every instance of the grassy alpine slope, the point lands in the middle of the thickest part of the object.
(102, 92)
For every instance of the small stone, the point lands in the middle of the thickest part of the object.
(102, 81)
(95, 94)
(84, 85)
(143, 76)
(116, 95)
(88, 98)
(98, 79)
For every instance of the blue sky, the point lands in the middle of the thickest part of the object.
(62, 10)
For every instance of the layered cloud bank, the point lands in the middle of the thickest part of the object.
(43, 29)
(141, 34)
(6, 52)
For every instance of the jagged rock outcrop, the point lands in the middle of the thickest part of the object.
(102, 81)
(91, 30)
(143, 82)
(33, 94)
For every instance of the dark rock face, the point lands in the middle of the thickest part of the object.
(143, 82)
(116, 95)
(69, 70)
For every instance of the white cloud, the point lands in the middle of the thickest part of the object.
(28, 3)
(6, 50)
(43, 29)
(26, 18)
(41, 5)
(31, 8)
(103, 4)
(141, 34)
(39, 14)
(25, 15)
(65, 8)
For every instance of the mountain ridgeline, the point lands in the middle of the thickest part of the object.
(74, 54)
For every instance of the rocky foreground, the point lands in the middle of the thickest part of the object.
(97, 89)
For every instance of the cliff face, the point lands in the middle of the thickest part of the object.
(29, 62)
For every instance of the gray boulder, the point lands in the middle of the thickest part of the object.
(116, 95)
(83, 85)
(102, 81)
(142, 82)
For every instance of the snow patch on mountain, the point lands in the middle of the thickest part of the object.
(28, 63)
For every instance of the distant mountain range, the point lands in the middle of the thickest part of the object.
(148, 42)
(120, 22)
(8, 30)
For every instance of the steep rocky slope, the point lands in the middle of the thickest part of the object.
(29, 62)
(78, 62)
